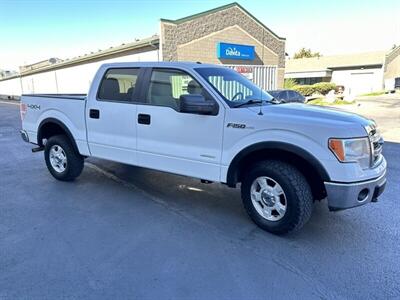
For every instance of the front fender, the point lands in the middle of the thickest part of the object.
(285, 140)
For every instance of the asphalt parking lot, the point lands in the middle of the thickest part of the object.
(384, 109)
(125, 232)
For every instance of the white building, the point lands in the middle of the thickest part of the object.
(358, 73)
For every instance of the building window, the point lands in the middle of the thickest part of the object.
(397, 83)
(308, 80)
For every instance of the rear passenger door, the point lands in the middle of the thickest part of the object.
(169, 140)
(111, 116)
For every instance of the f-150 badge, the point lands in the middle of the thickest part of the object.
(236, 125)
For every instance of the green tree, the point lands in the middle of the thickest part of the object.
(305, 53)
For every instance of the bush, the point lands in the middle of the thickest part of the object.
(289, 83)
(324, 87)
(305, 90)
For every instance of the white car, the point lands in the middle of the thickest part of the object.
(209, 122)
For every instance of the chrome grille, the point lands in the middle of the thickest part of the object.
(376, 141)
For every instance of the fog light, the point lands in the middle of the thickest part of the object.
(363, 195)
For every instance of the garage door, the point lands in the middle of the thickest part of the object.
(361, 83)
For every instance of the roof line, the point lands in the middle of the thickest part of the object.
(115, 50)
(154, 40)
(330, 69)
(207, 12)
(392, 51)
(203, 13)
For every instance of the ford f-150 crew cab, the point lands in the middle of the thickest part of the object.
(210, 122)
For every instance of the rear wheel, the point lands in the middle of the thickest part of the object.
(276, 196)
(63, 162)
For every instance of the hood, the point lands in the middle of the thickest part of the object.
(311, 120)
(325, 114)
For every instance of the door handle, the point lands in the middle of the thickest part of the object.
(144, 119)
(94, 114)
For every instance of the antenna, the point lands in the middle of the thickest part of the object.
(260, 113)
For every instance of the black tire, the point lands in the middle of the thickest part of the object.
(297, 191)
(74, 164)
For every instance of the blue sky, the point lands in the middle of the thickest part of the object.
(34, 30)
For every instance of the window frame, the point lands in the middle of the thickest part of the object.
(146, 87)
(138, 85)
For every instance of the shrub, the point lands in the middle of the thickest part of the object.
(289, 83)
(324, 87)
(305, 90)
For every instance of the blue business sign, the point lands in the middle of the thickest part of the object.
(235, 51)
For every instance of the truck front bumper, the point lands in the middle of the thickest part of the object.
(347, 195)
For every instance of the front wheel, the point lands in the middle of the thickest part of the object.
(63, 162)
(276, 196)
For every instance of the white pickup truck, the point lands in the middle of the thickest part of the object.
(211, 123)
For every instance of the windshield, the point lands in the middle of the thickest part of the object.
(234, 88)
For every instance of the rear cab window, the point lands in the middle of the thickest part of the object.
(118, 84)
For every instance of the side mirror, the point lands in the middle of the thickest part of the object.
(197, 104)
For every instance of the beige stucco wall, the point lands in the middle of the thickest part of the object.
(175, 34)
(195, 38)
(205, 49)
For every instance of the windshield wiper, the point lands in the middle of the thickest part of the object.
(251, 101)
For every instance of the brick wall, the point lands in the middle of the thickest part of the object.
(204, 49)
(174, 35)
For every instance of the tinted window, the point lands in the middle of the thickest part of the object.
(166, 86)
(295, 96)
(285, 95)
(274, 94)
(118, 84)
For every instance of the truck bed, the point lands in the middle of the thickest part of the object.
(68, 109)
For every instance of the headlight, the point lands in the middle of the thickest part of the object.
(352, 150)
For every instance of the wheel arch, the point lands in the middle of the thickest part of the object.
(307, 163)
(50, 127)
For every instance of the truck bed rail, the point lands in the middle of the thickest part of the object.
(63, 96)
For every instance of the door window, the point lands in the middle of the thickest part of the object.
(167, 85)
(118, 84)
